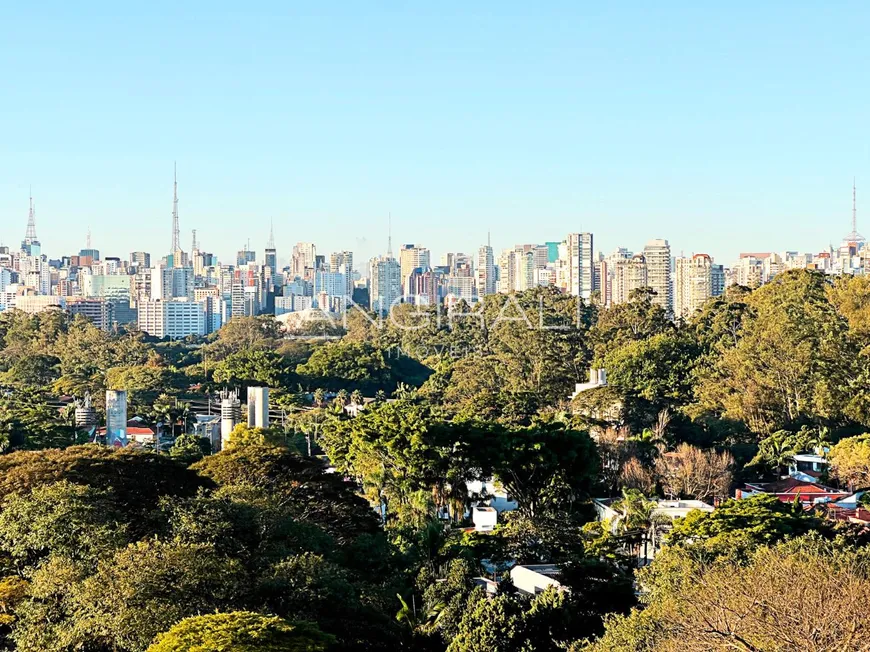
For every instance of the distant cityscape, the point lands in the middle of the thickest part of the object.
(186, 293)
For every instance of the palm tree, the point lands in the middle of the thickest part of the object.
(342, 397)
(419, 618)
(319, 397)
(356, 397)
(404, 391)
(637, 513)
(781, 454)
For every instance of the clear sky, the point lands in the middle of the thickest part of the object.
(724, 129)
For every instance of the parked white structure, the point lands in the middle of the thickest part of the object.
(535, 578)
(258, 407)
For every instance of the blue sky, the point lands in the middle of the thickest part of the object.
(724, 129)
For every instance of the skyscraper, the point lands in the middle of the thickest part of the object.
(385, 287)
(658, 272)
(302, 262)
(693, 284)
(578, 265)
(629, 274)
(411, 257)
(270, 256)
(485, 271)
(245, 256)
(341, 262)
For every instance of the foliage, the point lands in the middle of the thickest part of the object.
(850, 461)
(741, 524)
(793, 360)
(76, 521)
(300, 484)
(190, 448)
(241, 631)
(689, 472)
(722, 606)
(253, 367)
(136, 479)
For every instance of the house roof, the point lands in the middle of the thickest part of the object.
(793, 486)
(132, 431)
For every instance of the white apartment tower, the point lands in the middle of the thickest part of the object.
(411, 257)
(341, 262)
(506, 271)
(385, 287)
(629, 274)
(578, 272)
(693, 284)
(658, 273)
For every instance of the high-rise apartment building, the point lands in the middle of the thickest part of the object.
(658, 272)
(141, 259)
(245, 256)
(526, 259)
(506, 268)
(577, 265)
(385, 286)
(303, 261)
(486, 283)
(270, 258)
(341, 262)
(173, 318)
(629, 274)
(693, 284)
(717, 280)
(411, 257)
(172, 282)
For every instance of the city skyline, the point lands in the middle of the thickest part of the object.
(721, 130)
(180, 235)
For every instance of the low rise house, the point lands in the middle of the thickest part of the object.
(809, 466)
(788, 490)
(669, 508)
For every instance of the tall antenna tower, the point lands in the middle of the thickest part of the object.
(30, 235)
(854, 237)
(390, 235)
(271, 243)
(176, 245)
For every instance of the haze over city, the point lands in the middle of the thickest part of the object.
(721, 130)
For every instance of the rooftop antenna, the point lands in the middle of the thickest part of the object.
(88, 240)
(390, 235)
(271, 243)
(488, 242)
(30, 235)
(176, 245)
(194, 246)
(854, 237)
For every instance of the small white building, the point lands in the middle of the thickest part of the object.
(809, 466)
(484, 518)
(535, 578)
